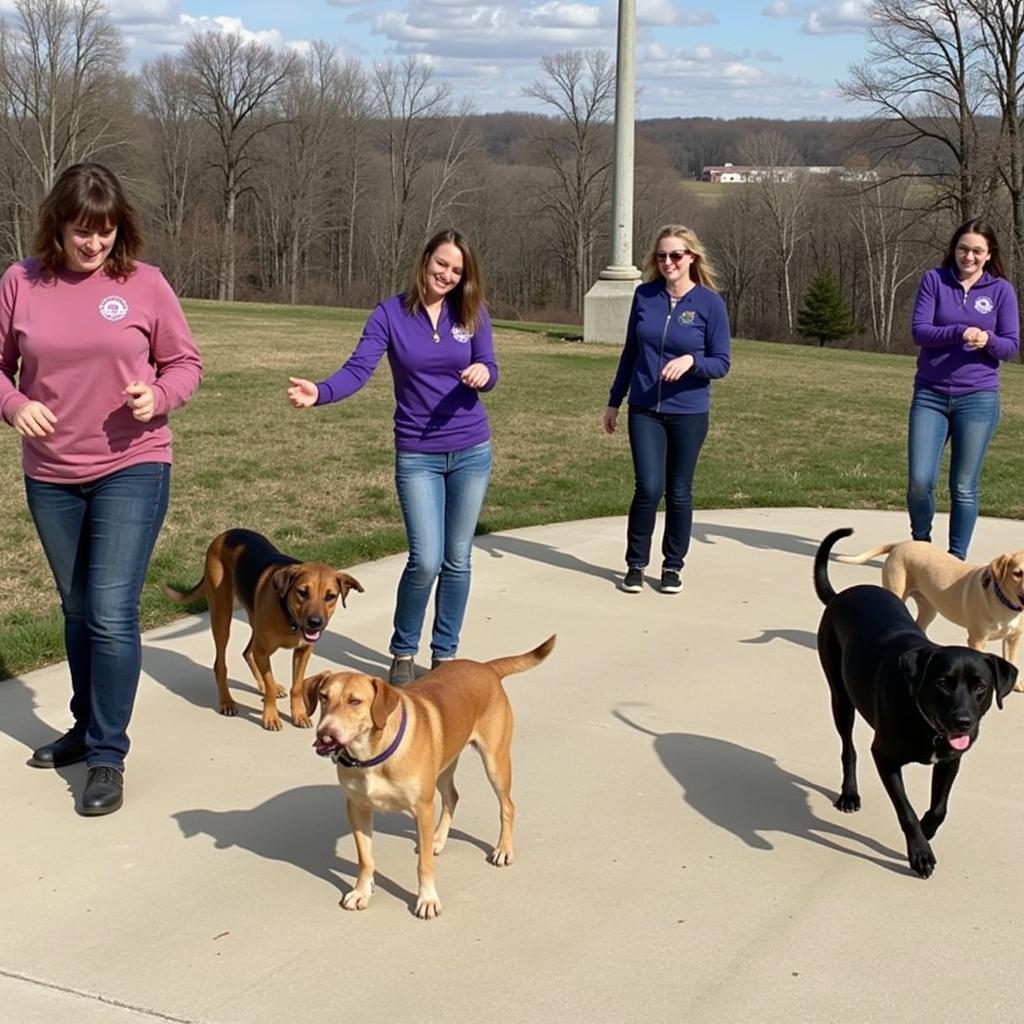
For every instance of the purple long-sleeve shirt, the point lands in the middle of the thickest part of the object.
(434, 411)
(942, 311)
(73, 341)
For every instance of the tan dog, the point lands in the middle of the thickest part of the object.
(986, 599)
(394, 748)
(289, 603)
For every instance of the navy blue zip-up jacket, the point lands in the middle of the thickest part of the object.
(698, 325)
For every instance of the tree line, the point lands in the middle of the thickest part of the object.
(305, 177)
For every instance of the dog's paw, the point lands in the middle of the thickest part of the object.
(301, 720)
(355, 900)
(229, 709)
(922, 860)
(281, 692)
(271, 723)
(428, 903)
(1019, 686)
(848, 802)
(501, 858)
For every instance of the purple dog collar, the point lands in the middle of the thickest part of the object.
(346, 760)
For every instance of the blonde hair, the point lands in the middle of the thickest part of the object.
(466, 299)
(701, 270)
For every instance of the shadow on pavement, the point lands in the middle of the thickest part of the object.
(497, 546)
(763, 540)
(746, 793)
(271, 830)
(800, 637)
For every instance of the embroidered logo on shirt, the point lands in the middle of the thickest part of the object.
(114, 308)
(687, 316)
(984, 304)
(461, 335)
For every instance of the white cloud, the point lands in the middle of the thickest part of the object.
(823, 18)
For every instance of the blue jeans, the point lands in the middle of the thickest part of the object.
(441, 496)
(98, 538)
(665, 449)
(967, 422)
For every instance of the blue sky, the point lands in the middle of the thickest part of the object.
(771, 58)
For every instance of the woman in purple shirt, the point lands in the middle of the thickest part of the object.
(965, 323)
(437, 337)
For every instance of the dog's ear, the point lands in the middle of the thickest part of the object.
(283, 578)
(385, 700)
(998, 566)
(1004, 674)
(347, 583)
(914, 664)
(311, 687)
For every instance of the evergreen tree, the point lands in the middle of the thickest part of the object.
(824, 314)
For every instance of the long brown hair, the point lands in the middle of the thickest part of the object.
(701, 271)
(977, 226)
(88, 195)
(466, 299)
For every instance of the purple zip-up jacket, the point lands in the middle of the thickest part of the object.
(942, 311)
(434, 411)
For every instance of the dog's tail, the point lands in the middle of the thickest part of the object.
(521, 662)
(183, 596)
(822, 586)
(866, 556)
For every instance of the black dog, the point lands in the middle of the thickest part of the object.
(923, 701)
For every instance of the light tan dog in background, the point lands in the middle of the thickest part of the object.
(395, 747)
(988, 600)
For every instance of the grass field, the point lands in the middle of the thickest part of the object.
(791, 426)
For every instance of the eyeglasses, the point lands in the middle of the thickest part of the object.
(675, 256)
(963, 250)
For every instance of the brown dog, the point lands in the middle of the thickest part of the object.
(394, 748)
(986, 599)
(289, 603)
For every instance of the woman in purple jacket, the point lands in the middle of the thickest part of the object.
(677, 342)
(965, 323)
(437, 337)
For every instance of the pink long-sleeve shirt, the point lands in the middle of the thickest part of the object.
(73, 341)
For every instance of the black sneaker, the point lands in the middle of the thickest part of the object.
(671, 581)
(402, 671)
(633, 581)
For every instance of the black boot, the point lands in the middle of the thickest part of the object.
(104, 790)
(69, 749)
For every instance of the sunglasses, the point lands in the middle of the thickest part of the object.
(675, 256)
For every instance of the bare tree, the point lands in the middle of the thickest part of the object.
(165, 99)
(782, 190)
(354, 106)
(409, 102)
(1001, 37)
(925, 76)
(233, 84)
(740, 247)
(580, 85)
(61, 71)
(884, 216)
(448, 187)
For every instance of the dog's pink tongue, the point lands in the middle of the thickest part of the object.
(312, 635)
(959, 742)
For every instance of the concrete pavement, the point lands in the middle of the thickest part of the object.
(677, 853)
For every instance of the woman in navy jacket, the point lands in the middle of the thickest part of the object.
(677, 342)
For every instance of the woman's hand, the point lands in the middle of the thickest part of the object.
(302, 393)
(34, 419)
(675, 368)
(139, 398)
(475, 376)
(975, 337)
(610, 419)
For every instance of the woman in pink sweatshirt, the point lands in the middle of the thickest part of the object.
(94, 353)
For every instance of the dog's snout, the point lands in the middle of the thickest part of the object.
(314, 621)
